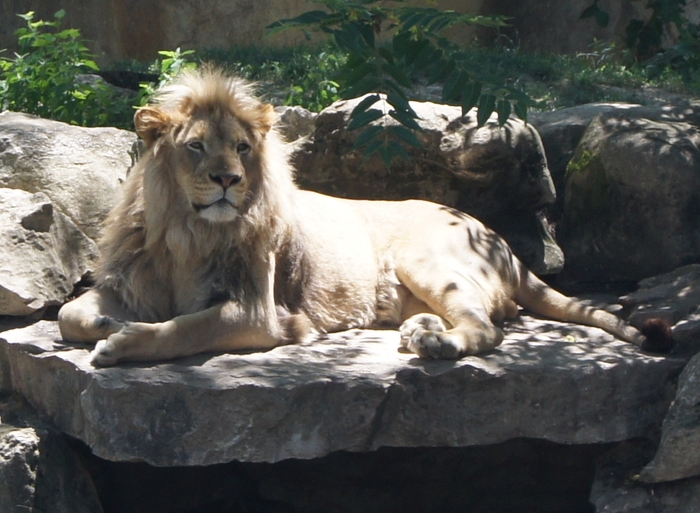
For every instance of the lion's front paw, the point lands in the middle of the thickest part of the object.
(132, 341)
(103, 355)
(425, 335)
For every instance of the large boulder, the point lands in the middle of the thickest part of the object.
(351, 391)
(562, 130)
(678, 456)
(38, 470)
(18, 461)
(42, 253)
(674, 297)
(80, 169)
(631, 207)
(618, 489)
(497, 173)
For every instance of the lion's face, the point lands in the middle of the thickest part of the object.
(211, 132)
(214, 157)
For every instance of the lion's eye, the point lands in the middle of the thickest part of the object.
(196, 145)
(243, 148)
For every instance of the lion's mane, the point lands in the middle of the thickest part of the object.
(157, 251)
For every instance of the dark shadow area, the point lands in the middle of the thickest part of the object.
(522, 475)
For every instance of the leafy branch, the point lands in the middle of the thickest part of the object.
(387, 71)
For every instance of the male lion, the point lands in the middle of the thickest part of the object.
(211, 247)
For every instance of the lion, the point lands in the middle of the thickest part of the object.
(212, 248)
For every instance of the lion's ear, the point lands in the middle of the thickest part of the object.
(267, 118)
(151, 124)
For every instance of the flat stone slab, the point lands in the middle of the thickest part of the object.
(350, 391)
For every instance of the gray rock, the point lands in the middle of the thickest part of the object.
(631, 200)
(617, 488)
(80, 169)
(296, 122)
(19, 455)
(351, 391)
(562, 130)
(498, 174)
(42, 253)
(38, 471)
(678, 456)
(673, 296)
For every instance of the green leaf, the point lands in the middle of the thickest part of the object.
(386, 55)
(521, 110)
(453, 86)
(374, 146)
(503, 108)
(405, 119)
(402, 42)
(364, 118)
(306, 19)
(427, 57)
(414, 49)
(351, 74)
(386, 153)
(397, 74)
(440, 70)
(470, 96)
(369, 84)
(365, 104)
(487, 104)
(92, 65)
(368, 135)
(400, 102)
(441, 24)
(406, 135)
(68, 33)
(412, 18)
(397, 150)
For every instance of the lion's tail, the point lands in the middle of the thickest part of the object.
(536, 296)
(296, 327)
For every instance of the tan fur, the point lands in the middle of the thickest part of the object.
(211, 247)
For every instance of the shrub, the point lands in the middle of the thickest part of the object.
(48, 77)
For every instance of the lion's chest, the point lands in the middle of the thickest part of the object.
(195, 288)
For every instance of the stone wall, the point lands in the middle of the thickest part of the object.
(128, 29)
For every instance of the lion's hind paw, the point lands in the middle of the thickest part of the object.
(425, 335)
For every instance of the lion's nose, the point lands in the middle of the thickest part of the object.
(226, 181)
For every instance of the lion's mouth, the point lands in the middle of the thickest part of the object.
(222, 202)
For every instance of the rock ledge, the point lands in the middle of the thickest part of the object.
(352, 391)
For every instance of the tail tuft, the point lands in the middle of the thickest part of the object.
(295, 327)
(658, 336)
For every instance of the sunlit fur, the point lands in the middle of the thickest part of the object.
(154, 240)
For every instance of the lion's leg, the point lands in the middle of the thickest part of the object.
(428, 337)
(93, 316)
(221, 328)
(454, 323)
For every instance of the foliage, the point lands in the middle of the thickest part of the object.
(167, 68)
(303, 75)
(417, 48)
(646, 37)
(47, 77)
